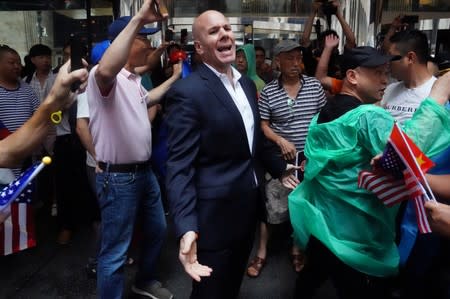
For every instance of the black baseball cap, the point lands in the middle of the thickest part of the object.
(120, 23)
(364, 56)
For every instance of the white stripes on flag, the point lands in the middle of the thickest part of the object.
(412, 185)
(389, 190)
(17, 232)
(392, 191)
(422, 221)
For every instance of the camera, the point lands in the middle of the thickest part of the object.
(328, 10)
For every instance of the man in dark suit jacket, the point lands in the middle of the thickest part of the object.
(217, 158)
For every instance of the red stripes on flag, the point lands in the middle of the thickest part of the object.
(392, 191)
(17, 232)
(385, 187)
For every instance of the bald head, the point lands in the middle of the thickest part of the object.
(214, 40)
(202, 19)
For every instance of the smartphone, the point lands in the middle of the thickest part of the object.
(76, 57)
(299, 159)
(161, 8)
(183, 36)
(168, 35)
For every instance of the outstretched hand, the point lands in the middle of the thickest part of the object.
(288, 179)
(188, 257)
(331, 41)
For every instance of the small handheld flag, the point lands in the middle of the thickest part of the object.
(16, 187)
(401, 177)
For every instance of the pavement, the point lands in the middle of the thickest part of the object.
(54, 271)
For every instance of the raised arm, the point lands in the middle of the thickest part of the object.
(157, 93)
(331, 41)
(28, 137)
(396, 26)
(350, 40)
(306, 36)
(117, 53)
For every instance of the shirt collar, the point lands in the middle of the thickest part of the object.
(280, 81)
(127, 74)
(48, 75)
(235, 72)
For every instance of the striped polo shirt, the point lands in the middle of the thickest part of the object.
(17, 105)
(290, 118)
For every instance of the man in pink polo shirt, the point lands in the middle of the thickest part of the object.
(121, 133)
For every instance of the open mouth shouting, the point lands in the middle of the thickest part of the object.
(225, 49)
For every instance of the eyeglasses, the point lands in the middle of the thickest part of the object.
(396, 58)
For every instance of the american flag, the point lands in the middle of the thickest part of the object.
(396, 179)
(17, 232)
(388, 189)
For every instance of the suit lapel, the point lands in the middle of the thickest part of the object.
(218, 89)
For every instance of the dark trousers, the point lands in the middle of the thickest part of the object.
(228, 269)
(70, 179)
(322, 265)
(233, 220)
(422, 275)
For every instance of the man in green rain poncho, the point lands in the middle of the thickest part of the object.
(347, 232)
(246, 65)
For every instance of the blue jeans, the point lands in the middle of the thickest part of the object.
(120, 196)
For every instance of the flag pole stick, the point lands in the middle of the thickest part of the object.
(21, 186)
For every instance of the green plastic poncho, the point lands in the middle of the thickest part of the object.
(250, 56)
(351, 222)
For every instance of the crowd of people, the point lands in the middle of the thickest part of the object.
(221, 149)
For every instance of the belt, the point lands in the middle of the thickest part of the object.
(132, 167)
